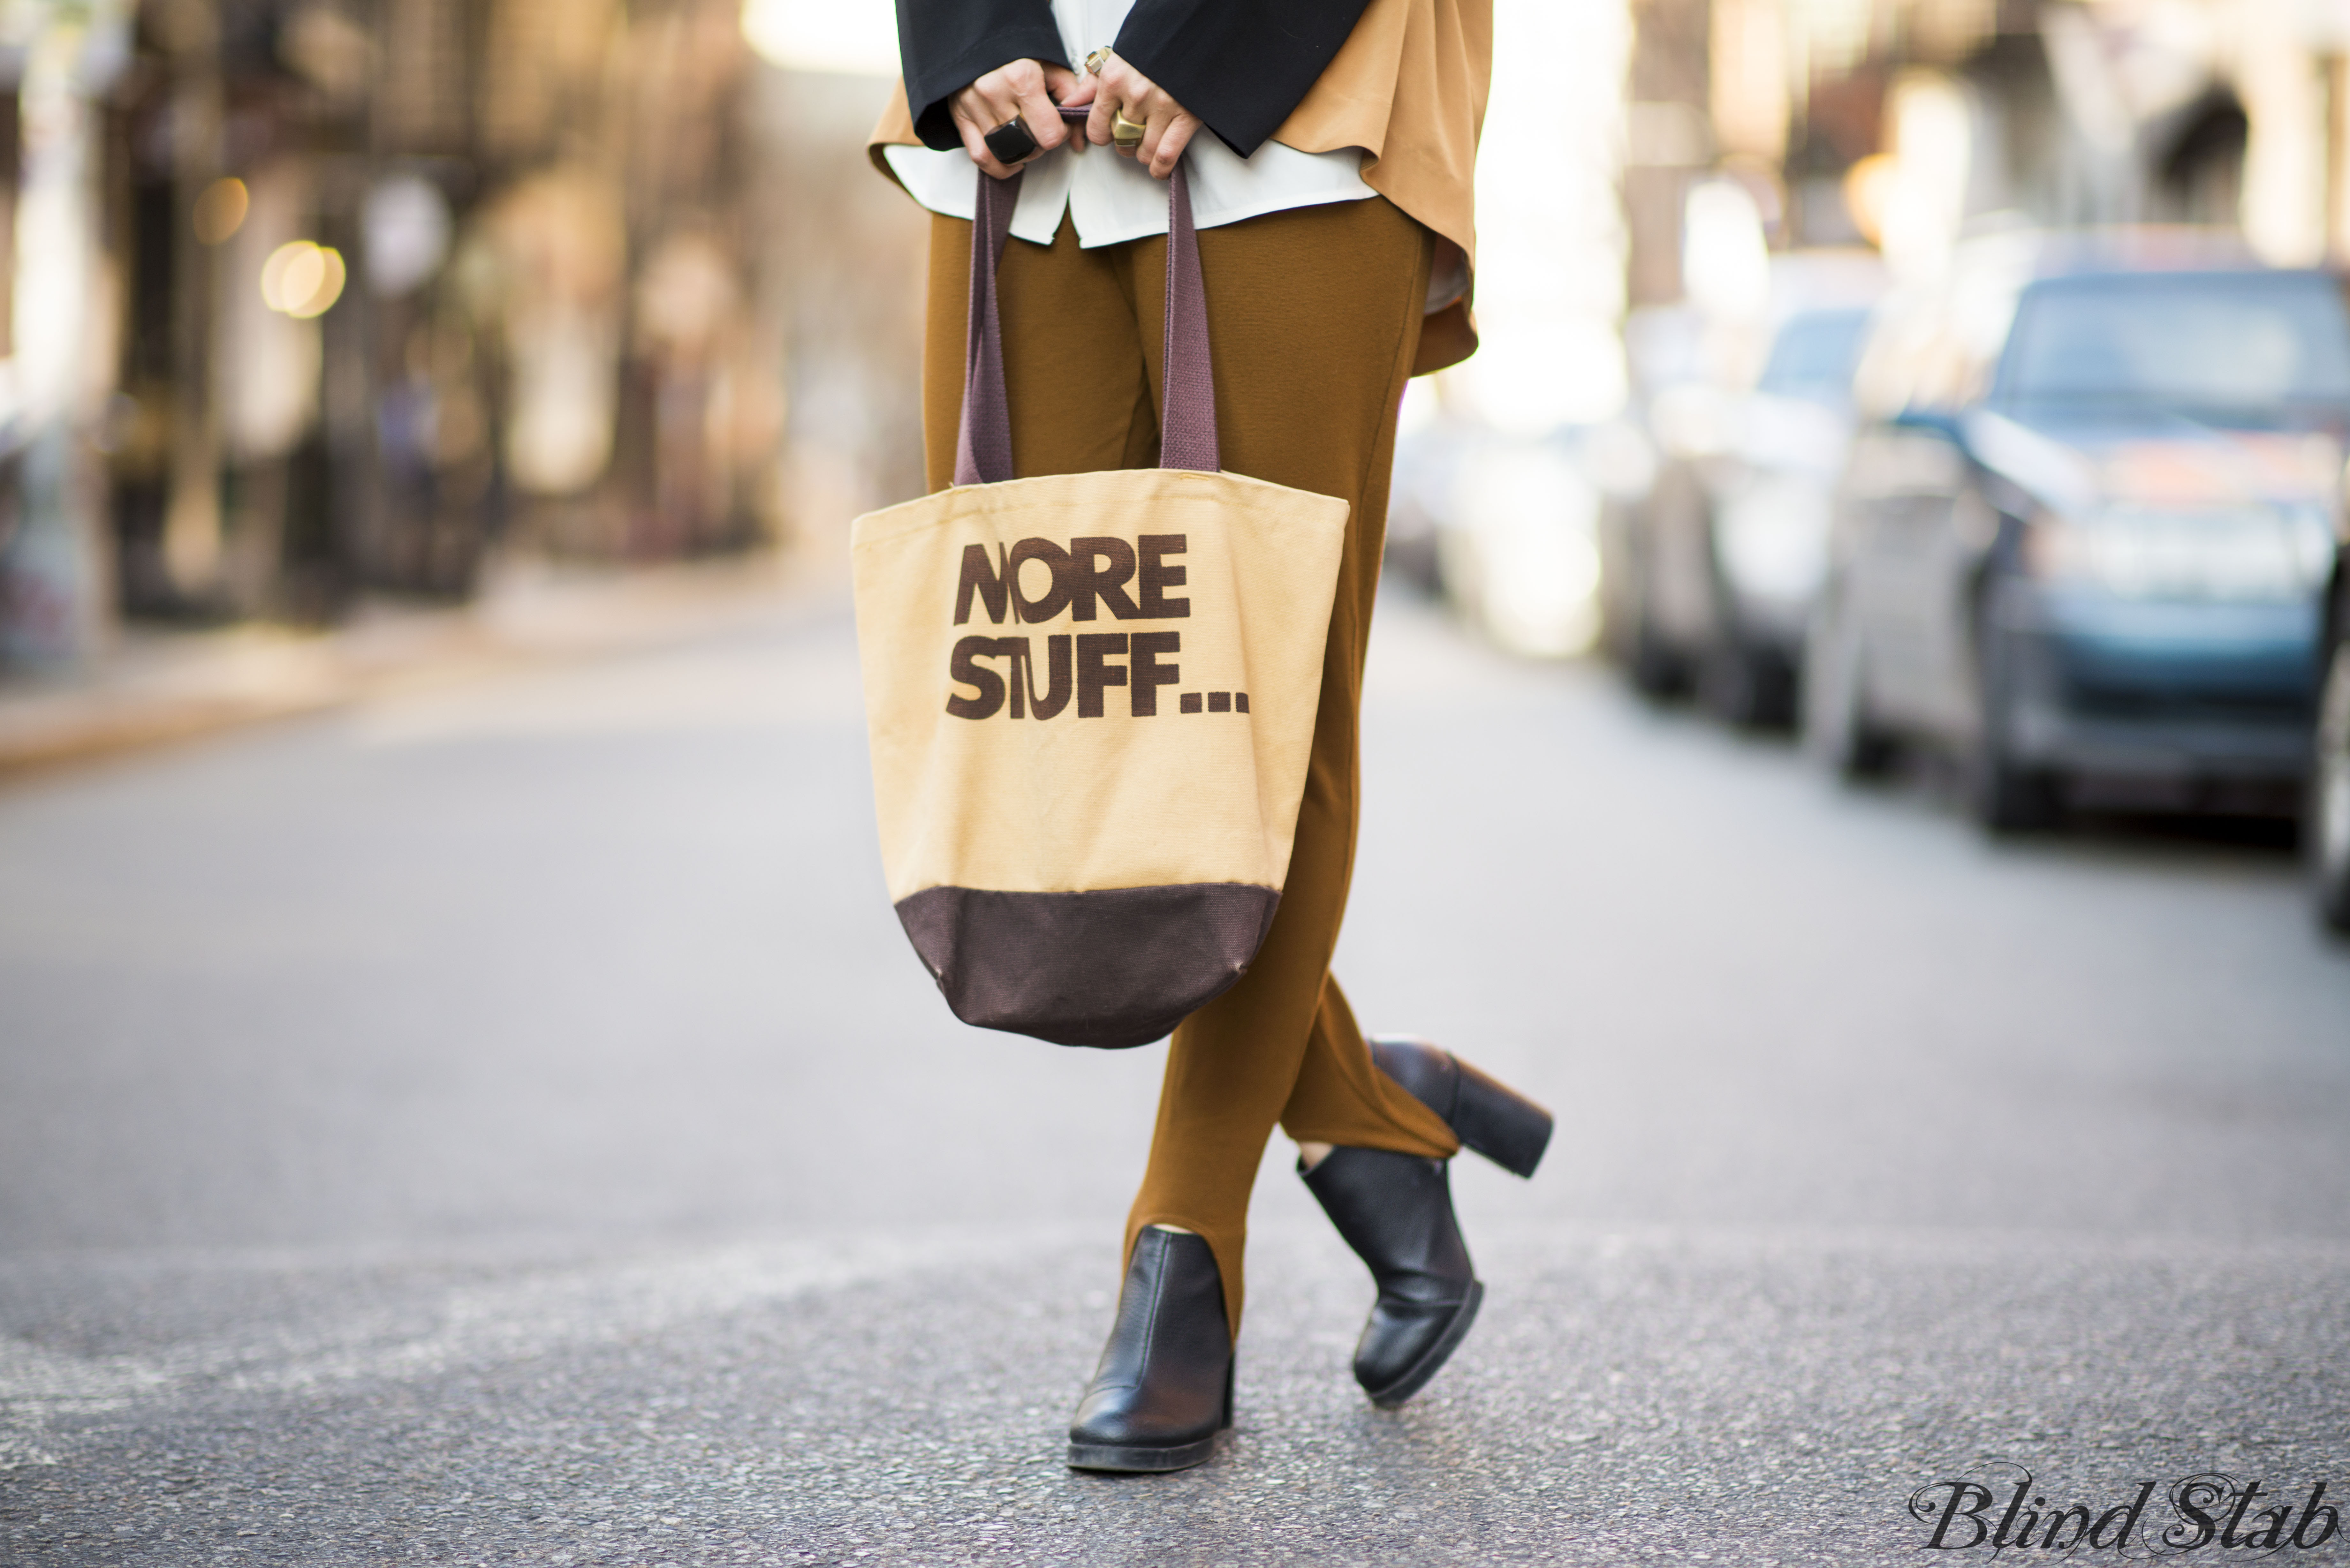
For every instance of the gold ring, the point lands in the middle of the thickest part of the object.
(1124, 131)
(1095, 61)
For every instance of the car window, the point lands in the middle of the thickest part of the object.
(1934, 348)
(1812, 357)
(2209, 341)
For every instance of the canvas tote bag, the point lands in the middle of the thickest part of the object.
(1091, 697)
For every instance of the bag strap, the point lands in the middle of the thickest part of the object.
(1187, 394)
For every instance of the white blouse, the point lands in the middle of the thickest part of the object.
(1112, 199)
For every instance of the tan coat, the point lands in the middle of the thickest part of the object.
(1408, 86)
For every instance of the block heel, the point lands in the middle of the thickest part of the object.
(1483, 1113)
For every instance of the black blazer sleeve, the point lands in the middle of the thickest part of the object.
(1240, 65)
(947, 45)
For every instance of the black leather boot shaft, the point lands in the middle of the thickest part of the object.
(1164, 1388)
(1483, 1113)
(1396, 1211)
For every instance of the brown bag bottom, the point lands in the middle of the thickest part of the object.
(1114, 967)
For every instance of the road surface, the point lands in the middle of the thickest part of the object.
(504, 1124)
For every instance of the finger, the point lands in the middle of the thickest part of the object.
(1170, 146)
(1131, 109)
(1042, 116)
(1164, 113)
(1016, 80)
(1082, 94)
(974, 141)
(1122, 78)
(1120, 86)
(1002, 103)
(997, 107)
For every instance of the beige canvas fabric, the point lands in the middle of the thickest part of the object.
(1091, 697)
(1150, 774)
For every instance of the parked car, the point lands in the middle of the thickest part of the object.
(1518, 550)
(2088, 522)
(2326, 823)
(1714, 579)
(1506, 527)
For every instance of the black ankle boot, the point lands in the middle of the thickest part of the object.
(1396, 1211)
(1164, 1388)
(1483, 1113)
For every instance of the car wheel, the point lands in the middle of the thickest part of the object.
(1836, 725)
(2327, 824)
(2003, 794)
(2006, 798)
(1747, 687)
(1657, 669)
(1729, 684)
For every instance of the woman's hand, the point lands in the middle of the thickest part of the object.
(1167, 125)
(1028, 90)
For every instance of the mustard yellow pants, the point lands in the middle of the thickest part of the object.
(1312, 317)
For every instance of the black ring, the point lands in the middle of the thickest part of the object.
(1011, 142)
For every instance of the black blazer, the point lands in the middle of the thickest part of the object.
(1240, 65)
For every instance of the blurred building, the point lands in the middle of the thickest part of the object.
(317, 298)
(1906, 123)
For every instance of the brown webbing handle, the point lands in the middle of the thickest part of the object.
(1187, 399)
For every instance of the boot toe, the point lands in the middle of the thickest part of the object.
(1406, 1343)
(1119, 1417)
(1114, 1430)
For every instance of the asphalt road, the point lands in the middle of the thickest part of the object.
(504, 1124)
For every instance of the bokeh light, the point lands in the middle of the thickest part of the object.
(220, 211)
(302, 279)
